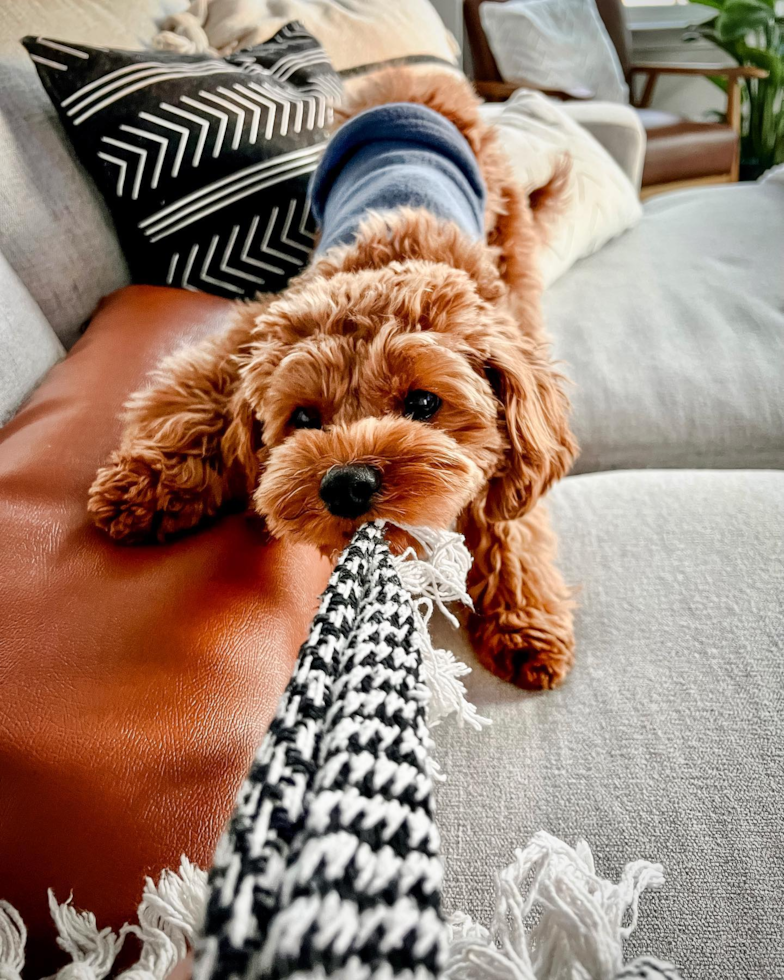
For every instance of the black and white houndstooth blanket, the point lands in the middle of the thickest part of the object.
(330, 864)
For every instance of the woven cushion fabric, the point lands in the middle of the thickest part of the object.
(55, 230)
(598, 201)
(204, 162)
(674, 335)
(665, 742)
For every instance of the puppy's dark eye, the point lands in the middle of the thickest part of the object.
(421, 405)
(305, 418)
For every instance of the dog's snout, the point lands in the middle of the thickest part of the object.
(348, 490)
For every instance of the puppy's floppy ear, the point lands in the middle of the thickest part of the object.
(242, 446)
(535, 414)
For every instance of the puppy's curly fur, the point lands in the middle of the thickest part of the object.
(412, 304)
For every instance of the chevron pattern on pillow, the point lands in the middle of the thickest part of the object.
(203, 162)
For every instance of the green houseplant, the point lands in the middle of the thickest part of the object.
(752, 32)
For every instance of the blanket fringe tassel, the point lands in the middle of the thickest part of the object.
(554, 919)
(169, 916)
(432, 581)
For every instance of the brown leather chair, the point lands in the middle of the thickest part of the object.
(679, 152)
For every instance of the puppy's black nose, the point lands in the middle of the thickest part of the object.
(347, 490)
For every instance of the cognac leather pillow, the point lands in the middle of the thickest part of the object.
(137, 682)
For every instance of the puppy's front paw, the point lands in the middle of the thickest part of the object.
(134, 499)
(532, 649)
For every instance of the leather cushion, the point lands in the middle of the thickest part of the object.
(137, 682)
(679, 149)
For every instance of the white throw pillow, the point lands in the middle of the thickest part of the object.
(554, 44)
(599, 200)
(352, 32)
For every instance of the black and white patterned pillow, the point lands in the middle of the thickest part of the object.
(204, 162)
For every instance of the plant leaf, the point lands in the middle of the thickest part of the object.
(761, 58)
(718, 82)
(740, 17)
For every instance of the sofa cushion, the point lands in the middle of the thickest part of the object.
(665, 741)
(674, 335)
(137, 682)
(598, 200)
(55, 230)
(28, 346)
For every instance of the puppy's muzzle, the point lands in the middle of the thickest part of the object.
(348, 491)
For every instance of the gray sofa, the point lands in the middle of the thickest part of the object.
(666, 741)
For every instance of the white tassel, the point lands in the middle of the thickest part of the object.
(436, 579)
(170, 914)
(13, 937)
(92, 951)
(441, 575)
(566, 925)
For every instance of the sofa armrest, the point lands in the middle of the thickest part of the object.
(28, 344)
(619, 130)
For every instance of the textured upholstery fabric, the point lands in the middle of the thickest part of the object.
(598, 202)
(28, 346)
(617, 128)
(55, 230)
(137, 681)
(674, 335)
(666, 741)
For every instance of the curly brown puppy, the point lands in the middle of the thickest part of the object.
(405, 376)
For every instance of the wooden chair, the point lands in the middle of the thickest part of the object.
(679, 153)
